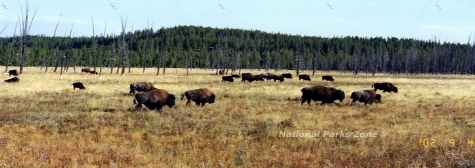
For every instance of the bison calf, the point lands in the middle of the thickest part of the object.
(322, 93)
(199, 96)
(228, 79)
(385, 87)
(13, 80)
(366, 97)
(78, 85)
(328, 78)
(154, 99)
(140, 87)
(304, 77)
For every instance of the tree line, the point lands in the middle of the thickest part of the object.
(234, 49)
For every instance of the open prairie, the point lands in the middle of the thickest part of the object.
(45, 123)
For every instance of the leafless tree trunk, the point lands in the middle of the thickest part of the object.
(123, 45)
(26, 21)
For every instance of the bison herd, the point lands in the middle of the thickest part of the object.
(146, 94)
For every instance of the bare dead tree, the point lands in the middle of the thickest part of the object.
(123, 44)
(26, 22)
(11, 47)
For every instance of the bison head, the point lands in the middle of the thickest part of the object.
(339, 95)
(377, 98)
(395, 89)
(211, 98)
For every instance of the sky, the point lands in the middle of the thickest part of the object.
(443, 20)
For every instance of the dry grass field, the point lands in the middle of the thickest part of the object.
(45, 123)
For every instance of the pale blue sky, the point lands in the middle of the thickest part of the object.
(448, 20)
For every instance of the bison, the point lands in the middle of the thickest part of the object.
(304, 77)
(13, 72)
(78, 85)
(246, 77)
(385, 87)
(140, 87)
(199, 96)
(154, 99)
(235, 76)
(279, 78)
(13, 80)
(366, 97)
(328, 78)
(228, 79)
(86, 70)
(322, 93)
(287, 75)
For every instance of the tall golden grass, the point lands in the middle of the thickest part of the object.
(45, 123)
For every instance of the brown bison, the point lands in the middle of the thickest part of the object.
(287, 75)
(13, 80)
(140, 87)
(199, 96)
(154, 99)
(328, 78)
(13, 72)
(366, 97)
(304, 77)
(251, 78)
(78, 85)
(87, 70)
(228, 79)
(322, 93)
(279, 78)
(246, 77)
(385, 87)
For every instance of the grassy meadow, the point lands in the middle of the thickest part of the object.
(45, 123)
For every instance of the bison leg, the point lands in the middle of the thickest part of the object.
(188, 102)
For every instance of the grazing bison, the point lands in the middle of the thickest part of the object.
(251, 78)
(366, 97)
(287, 75)
(322, 93)
(13, 80)
(279, 78)
(199, 96)
(328, 78)
(141, 87)
(154, 99)
(78, 85)
(385, 87)
(246, 77)
(235, 76)
(87, 70)
(13, 72)
(304, 77)
(228, 79)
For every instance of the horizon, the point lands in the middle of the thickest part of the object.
(430, 20)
